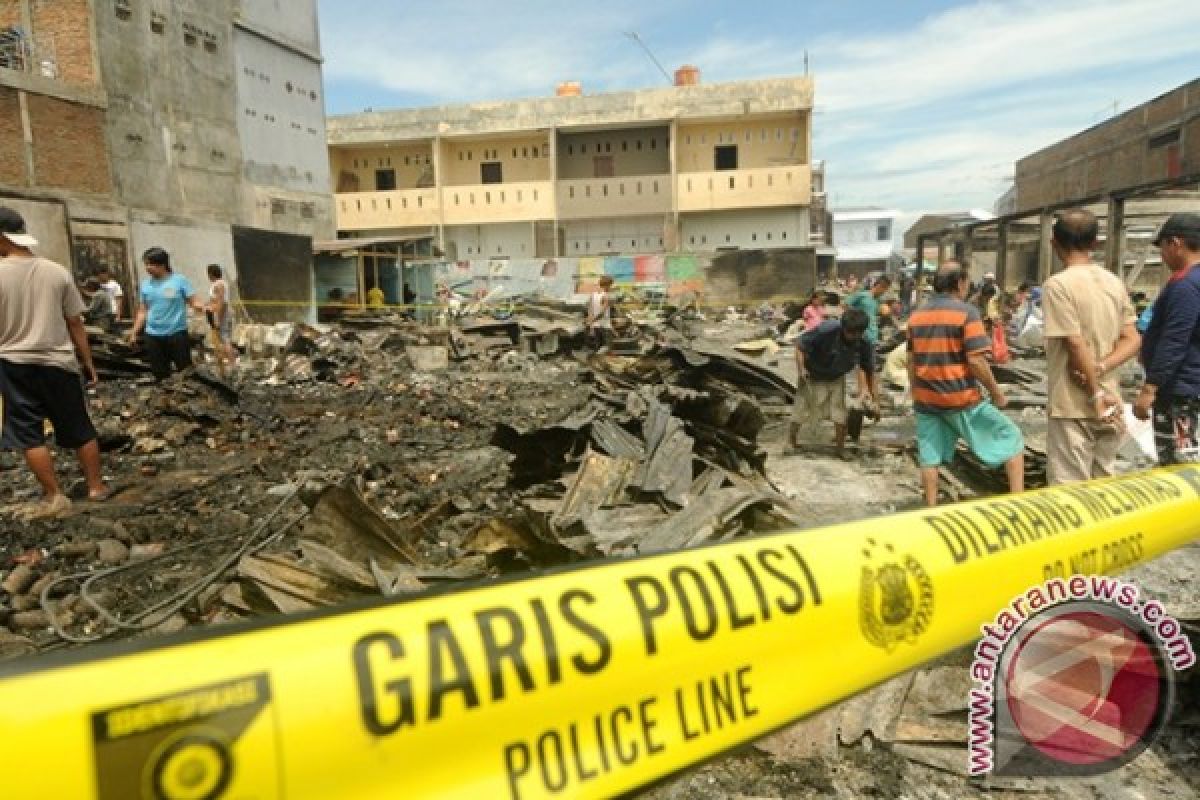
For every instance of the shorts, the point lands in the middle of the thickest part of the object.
(34, 393)
(992, 437)
(820, 400)
(1080, 450)
(1175, 434)
(163, 351)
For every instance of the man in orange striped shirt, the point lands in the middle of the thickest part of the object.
(947, 361)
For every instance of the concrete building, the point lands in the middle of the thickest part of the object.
(687, 168)
(1132, 171)
(189, 125)
(863, 238)
(1157, 141)
(977, 263)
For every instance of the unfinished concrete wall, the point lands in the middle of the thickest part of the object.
(172, 125)
(47, 221)
(293, 21)
(281, 126)
(1157, 140)
(192, 247)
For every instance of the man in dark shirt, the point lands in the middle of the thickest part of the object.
(1171, 346)
(824, 356)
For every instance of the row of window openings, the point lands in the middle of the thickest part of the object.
(587, 190)
(289, 86)
(365, 163)
(158, 24)
(608, 146)
(749, 181)
(731, 138)
(729, 237)
(587, 244)
(478, 251)
(487, 199)
(526, 152)
(296, 126)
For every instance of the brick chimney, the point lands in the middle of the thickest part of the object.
(687, 75)
(569, 89)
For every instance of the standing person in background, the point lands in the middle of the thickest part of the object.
(110, 285)
(867, 301)
(1171, 350)
(599, 314)
(43, 344)
(162, 313)
(947, 362)
(814, 312)
(1089, 334)
(220, 318)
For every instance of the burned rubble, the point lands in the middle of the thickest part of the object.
(380, 457)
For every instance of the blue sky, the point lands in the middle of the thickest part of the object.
(921, 105)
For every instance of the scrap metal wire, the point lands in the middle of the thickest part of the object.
(154, 615)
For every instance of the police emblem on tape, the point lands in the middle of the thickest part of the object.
(213, 742)
(895, 597)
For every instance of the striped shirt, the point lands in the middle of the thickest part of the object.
(941, 335)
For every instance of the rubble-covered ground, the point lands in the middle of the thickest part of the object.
(382, 457)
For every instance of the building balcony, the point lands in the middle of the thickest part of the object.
(401, 208)
(614, 197)
(745, 188)
(484, 203)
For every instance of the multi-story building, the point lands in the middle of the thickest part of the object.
(691, 168)
(190, 125)
(864, 240)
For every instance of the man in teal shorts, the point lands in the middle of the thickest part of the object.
(947, 361)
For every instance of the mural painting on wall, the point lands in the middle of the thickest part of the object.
(590, 271)
(684, 276)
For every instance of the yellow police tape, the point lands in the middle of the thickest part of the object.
(582, 683)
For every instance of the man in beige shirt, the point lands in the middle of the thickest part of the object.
(1089, 327)
(42, 346)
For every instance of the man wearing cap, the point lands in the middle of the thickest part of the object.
(1171, 348)
(40, 334)
(1090, 332)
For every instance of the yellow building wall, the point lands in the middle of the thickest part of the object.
(409, 161)
(637, 151)
(760, 143)
(461, 159)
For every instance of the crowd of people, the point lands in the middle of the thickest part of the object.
(1090, 324)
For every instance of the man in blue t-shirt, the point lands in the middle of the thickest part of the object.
(162, 313)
